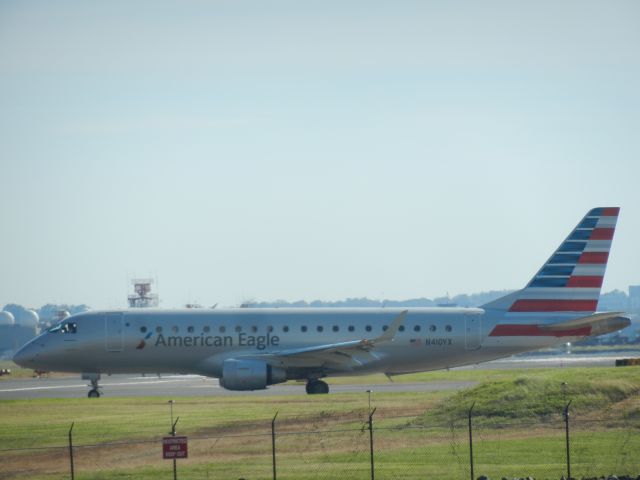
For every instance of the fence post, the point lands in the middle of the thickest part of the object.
(371, 442)
(471, 440)
(565, 414)
(273, 444)
(71, 450)
(173, 434)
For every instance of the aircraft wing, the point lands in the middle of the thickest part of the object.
(341, 355)
(599, 323)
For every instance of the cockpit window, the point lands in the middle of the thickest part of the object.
(65, 327)
(71, 327)
(55, 328)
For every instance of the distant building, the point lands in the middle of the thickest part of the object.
(613, 301)
(634, 298)
(16, 330)
(7, 330)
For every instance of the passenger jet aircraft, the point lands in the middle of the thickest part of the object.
(250, 349)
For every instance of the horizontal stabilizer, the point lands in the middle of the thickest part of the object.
(599, 323)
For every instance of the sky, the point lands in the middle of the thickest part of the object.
(263, 150)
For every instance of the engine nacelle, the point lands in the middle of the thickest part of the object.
(250, 374)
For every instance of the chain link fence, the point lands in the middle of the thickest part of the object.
(379, 446)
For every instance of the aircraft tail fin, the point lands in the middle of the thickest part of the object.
(571, 279)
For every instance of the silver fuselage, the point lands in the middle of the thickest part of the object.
(199, 340)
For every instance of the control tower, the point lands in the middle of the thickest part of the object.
(143, 298)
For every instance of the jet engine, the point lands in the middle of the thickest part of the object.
(250, 374)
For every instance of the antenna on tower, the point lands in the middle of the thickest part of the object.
(143, 298)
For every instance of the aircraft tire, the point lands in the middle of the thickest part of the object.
(93, 393)
(316, 387)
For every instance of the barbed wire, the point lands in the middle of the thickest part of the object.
(627, 423)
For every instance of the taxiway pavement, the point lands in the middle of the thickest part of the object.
(195, 385)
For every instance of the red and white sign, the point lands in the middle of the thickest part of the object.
(174, 447)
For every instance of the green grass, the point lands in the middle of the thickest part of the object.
(407, 454)
(229, 437)
(19, 372)
(114, 419)
(630, 350)
(16, 371)
(541, 394)
(472, 375)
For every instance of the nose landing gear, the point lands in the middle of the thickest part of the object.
(95, 388)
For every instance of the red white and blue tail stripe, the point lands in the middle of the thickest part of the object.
(566, 287)
(570, 281)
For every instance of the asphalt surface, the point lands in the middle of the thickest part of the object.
(194, 385)
(550, 361)
(183, 386)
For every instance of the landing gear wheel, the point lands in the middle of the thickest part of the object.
(95, 388)
(315, 387)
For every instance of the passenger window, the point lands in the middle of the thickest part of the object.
(335, 328)
(254, 329)
(285, 329)
(385, 328)
(401, 328)
(143, 329)
(238, 328)
(159, 329)
(222, 329)
(368, 328)
(303, 328)
(206, 329)
(351, 328)
(432, 328)
(269, 329)
(319, 328)
(190, 329)
(175, 329)
(416, 328)
(448, 328)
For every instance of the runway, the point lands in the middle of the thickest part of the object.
(195, 385)
(550, 361)
(183, 386)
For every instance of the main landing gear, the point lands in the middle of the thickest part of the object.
(315, 387)
(95, 388)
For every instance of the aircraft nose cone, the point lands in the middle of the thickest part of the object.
(24, 356)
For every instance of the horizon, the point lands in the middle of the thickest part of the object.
(238, 150)
(328, 303)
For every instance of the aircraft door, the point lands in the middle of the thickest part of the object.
(113, 332)
(472, 331)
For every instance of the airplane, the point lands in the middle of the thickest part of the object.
(251, 349)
